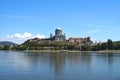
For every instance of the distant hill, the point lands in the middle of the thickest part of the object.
(3, 43)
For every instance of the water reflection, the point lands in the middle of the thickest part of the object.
(57, 63)
(57, 66)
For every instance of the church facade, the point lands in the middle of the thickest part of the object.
(58, 35)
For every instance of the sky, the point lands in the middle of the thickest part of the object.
(24, 19)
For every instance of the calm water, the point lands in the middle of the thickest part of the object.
(59, 66)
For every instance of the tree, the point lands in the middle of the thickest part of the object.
(6, 47)
(103, 46)
(85, 48)
(109, 44)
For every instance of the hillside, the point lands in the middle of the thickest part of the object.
(3, 43)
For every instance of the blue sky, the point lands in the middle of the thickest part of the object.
(24, 19)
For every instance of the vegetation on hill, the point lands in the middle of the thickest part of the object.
(6, 45)
(47, 45)
(3, 43)
(37, 44)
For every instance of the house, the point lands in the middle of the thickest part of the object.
(76, 40)
(85, 41)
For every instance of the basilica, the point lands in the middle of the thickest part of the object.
(58, 35)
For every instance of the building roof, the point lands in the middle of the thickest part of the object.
(75, 38)
(58, 28)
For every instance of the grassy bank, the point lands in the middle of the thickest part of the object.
(108, 51)
(74, 51)
(56, 51)
(68, 51)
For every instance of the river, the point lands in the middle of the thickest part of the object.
(59, 66)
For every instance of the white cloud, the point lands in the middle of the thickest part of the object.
(40, 36)
(20, 38)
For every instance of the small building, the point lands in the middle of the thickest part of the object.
(88, 41)
(85, 41)
(75, 40)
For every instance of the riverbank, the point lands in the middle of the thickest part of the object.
(73, 51)
(55, 51)
(108, 51)
(67, 51)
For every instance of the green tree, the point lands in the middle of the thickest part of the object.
(103, 46)
(109, 44)
(6, 47)
(85, 48)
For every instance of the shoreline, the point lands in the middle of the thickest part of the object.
(67, 51)
(74, 51)
(108, 51)
(53, 51)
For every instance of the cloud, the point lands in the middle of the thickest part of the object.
(40, 36)
(20, 38)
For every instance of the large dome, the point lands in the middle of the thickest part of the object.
(58, 31)
(58, 28)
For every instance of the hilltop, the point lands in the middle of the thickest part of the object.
(3, 43)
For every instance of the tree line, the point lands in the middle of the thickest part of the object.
(109, 45)
(63, 45)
